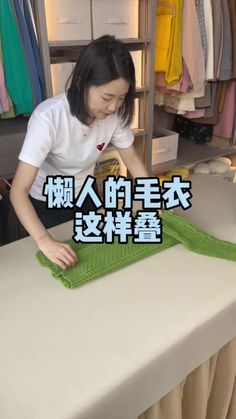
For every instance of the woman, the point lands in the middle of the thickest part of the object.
(66, 135)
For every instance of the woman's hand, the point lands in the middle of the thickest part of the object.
(58, 252)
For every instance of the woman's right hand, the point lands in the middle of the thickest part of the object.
(58, 252)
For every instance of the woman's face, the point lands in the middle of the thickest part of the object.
(107, 98)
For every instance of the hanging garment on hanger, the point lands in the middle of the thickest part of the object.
(179, 104)
(217, 103)
(174, 72)
(4, 104)
(224, 128)
(29, 18)
(15, 69)
(17, 6)
(232, 13)
(210, 110)
(198, 113)
(210, 43)
(164, 18)
(217, 15)
(27, 60)
(10, 113)
(192, 42)
(186, 82)
(205, 101)
(29, 12)
(226, 66)
(200, 12)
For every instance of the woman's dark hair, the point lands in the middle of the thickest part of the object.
(102, 61)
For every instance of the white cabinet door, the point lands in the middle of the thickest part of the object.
(68, 20)
(119, 18)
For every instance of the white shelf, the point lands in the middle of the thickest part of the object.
(81, 43)
(190, 152)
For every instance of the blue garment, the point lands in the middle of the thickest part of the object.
(35, 47)
(28, 52)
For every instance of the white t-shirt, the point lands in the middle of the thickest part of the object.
(60, 145)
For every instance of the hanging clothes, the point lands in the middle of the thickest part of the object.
(17, 5)
(217, 15)
(4, 103)
(224, 127)
(192, 50)
(7, 109)
(226, 66)
(174, 72)
(29, 18)
(208, 64)
(164, 21)
(210, 43)
(15, 68)
(201, 19)
(232, 13)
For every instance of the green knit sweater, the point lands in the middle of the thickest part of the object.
(96, 260)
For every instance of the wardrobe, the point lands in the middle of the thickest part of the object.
(195, 72)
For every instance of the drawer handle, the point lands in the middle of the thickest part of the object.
(162, 150)
(117, 21)
(66, 20)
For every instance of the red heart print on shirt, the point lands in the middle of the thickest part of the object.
(100, 146)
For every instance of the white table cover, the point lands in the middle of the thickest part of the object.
(115, 346)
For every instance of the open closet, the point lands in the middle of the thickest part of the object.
(195, 71)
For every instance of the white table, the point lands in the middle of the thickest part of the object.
(115, 346)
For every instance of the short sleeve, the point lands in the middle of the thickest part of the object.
(122, 137)
(38, 141)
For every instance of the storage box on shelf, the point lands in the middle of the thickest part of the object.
(164, 146)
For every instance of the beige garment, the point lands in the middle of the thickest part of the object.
(209, 392)
(175, 102)
(192, 42)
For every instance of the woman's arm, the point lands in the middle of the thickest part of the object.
(57, 252)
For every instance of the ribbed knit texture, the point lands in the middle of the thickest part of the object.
(96, 260)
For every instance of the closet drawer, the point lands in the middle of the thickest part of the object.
(68, 20)
(164, 146)
(119, 18)
(60, 75)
